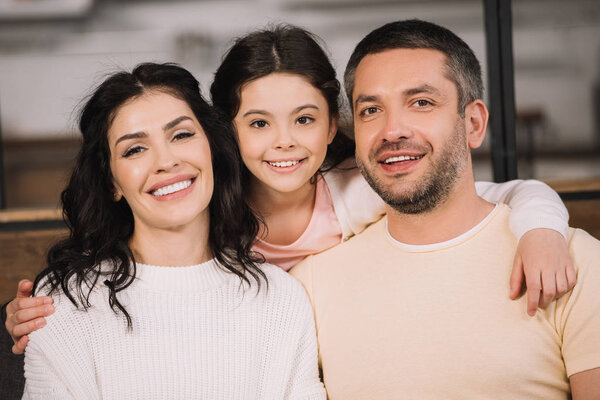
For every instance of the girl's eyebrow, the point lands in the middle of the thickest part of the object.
(300, 108)
(261, 112)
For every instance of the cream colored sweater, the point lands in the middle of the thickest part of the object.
(196, 335)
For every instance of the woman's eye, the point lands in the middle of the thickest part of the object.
(132, 150)
(183, 135)
(259, 124)
(304, 120)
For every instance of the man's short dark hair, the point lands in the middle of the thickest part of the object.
(462, 67)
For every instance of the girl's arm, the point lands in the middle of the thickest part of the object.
(539, 220)
(25, 314)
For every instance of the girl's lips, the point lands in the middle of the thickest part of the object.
(284, 166)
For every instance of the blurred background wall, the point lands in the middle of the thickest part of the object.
(53, 51)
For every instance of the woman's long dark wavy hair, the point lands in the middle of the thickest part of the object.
(100, 228)
(286, 49)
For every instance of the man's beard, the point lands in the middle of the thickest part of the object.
(436, 184)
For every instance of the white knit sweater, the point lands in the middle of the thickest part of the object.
(197, 334)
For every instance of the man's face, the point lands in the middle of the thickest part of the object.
(411, 144)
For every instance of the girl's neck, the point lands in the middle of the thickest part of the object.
(286, 214)
(177, 246)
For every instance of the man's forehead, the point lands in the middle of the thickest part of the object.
(401, 69)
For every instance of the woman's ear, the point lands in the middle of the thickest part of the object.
(117, 194)
(333, 128)
(476, 117)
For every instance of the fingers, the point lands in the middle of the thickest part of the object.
(534, 288)
(24, 288)
(548, 288)
(19, 347)
(516, 278)
(24, 329)
(571, 275)
(29, 314)
(23, 314)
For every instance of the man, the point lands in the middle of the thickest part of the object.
(415, 307)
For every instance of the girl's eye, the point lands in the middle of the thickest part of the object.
(259, 124)
(183, 135)
(369, 111)
(132, 150)
(304, 120)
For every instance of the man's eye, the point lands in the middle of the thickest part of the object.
(423, 103)
(369, 111)
(259, 124)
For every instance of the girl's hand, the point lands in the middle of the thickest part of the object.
(543, 259)
(25, 314)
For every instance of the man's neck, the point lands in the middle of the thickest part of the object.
(461, 211)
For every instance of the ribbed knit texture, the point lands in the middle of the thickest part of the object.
(197, 334)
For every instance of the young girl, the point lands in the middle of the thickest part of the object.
(280, 91)
(160, 294)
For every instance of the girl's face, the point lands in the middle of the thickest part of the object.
(283, 129)
(161, 162)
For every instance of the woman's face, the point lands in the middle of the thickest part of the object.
(283, 129)
(161, 162)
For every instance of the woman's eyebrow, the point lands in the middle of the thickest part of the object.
(173, 123)
(135, 135)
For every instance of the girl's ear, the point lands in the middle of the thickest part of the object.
(333, 128)
(476, 117)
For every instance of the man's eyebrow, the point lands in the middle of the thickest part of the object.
(422, 89)
(174, 123)
(363, 98)
(135, 135)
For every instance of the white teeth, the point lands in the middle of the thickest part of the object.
(401, 158)
(172, 188)
(282, 164)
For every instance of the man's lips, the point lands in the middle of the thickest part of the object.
(399, 158)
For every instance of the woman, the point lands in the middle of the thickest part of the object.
(280, 92)
(159, 293)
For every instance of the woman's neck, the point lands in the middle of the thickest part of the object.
(177, 246)
(286, 214)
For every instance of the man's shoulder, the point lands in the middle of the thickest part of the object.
(584, 248)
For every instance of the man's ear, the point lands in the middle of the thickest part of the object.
(333, 128)
(476, 117)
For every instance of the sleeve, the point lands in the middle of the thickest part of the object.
(58, 360)
(305, 383)
(355, 203)
(534, 205)
(42, 380)
(577, 314)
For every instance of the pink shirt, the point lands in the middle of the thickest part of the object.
(323, 231)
